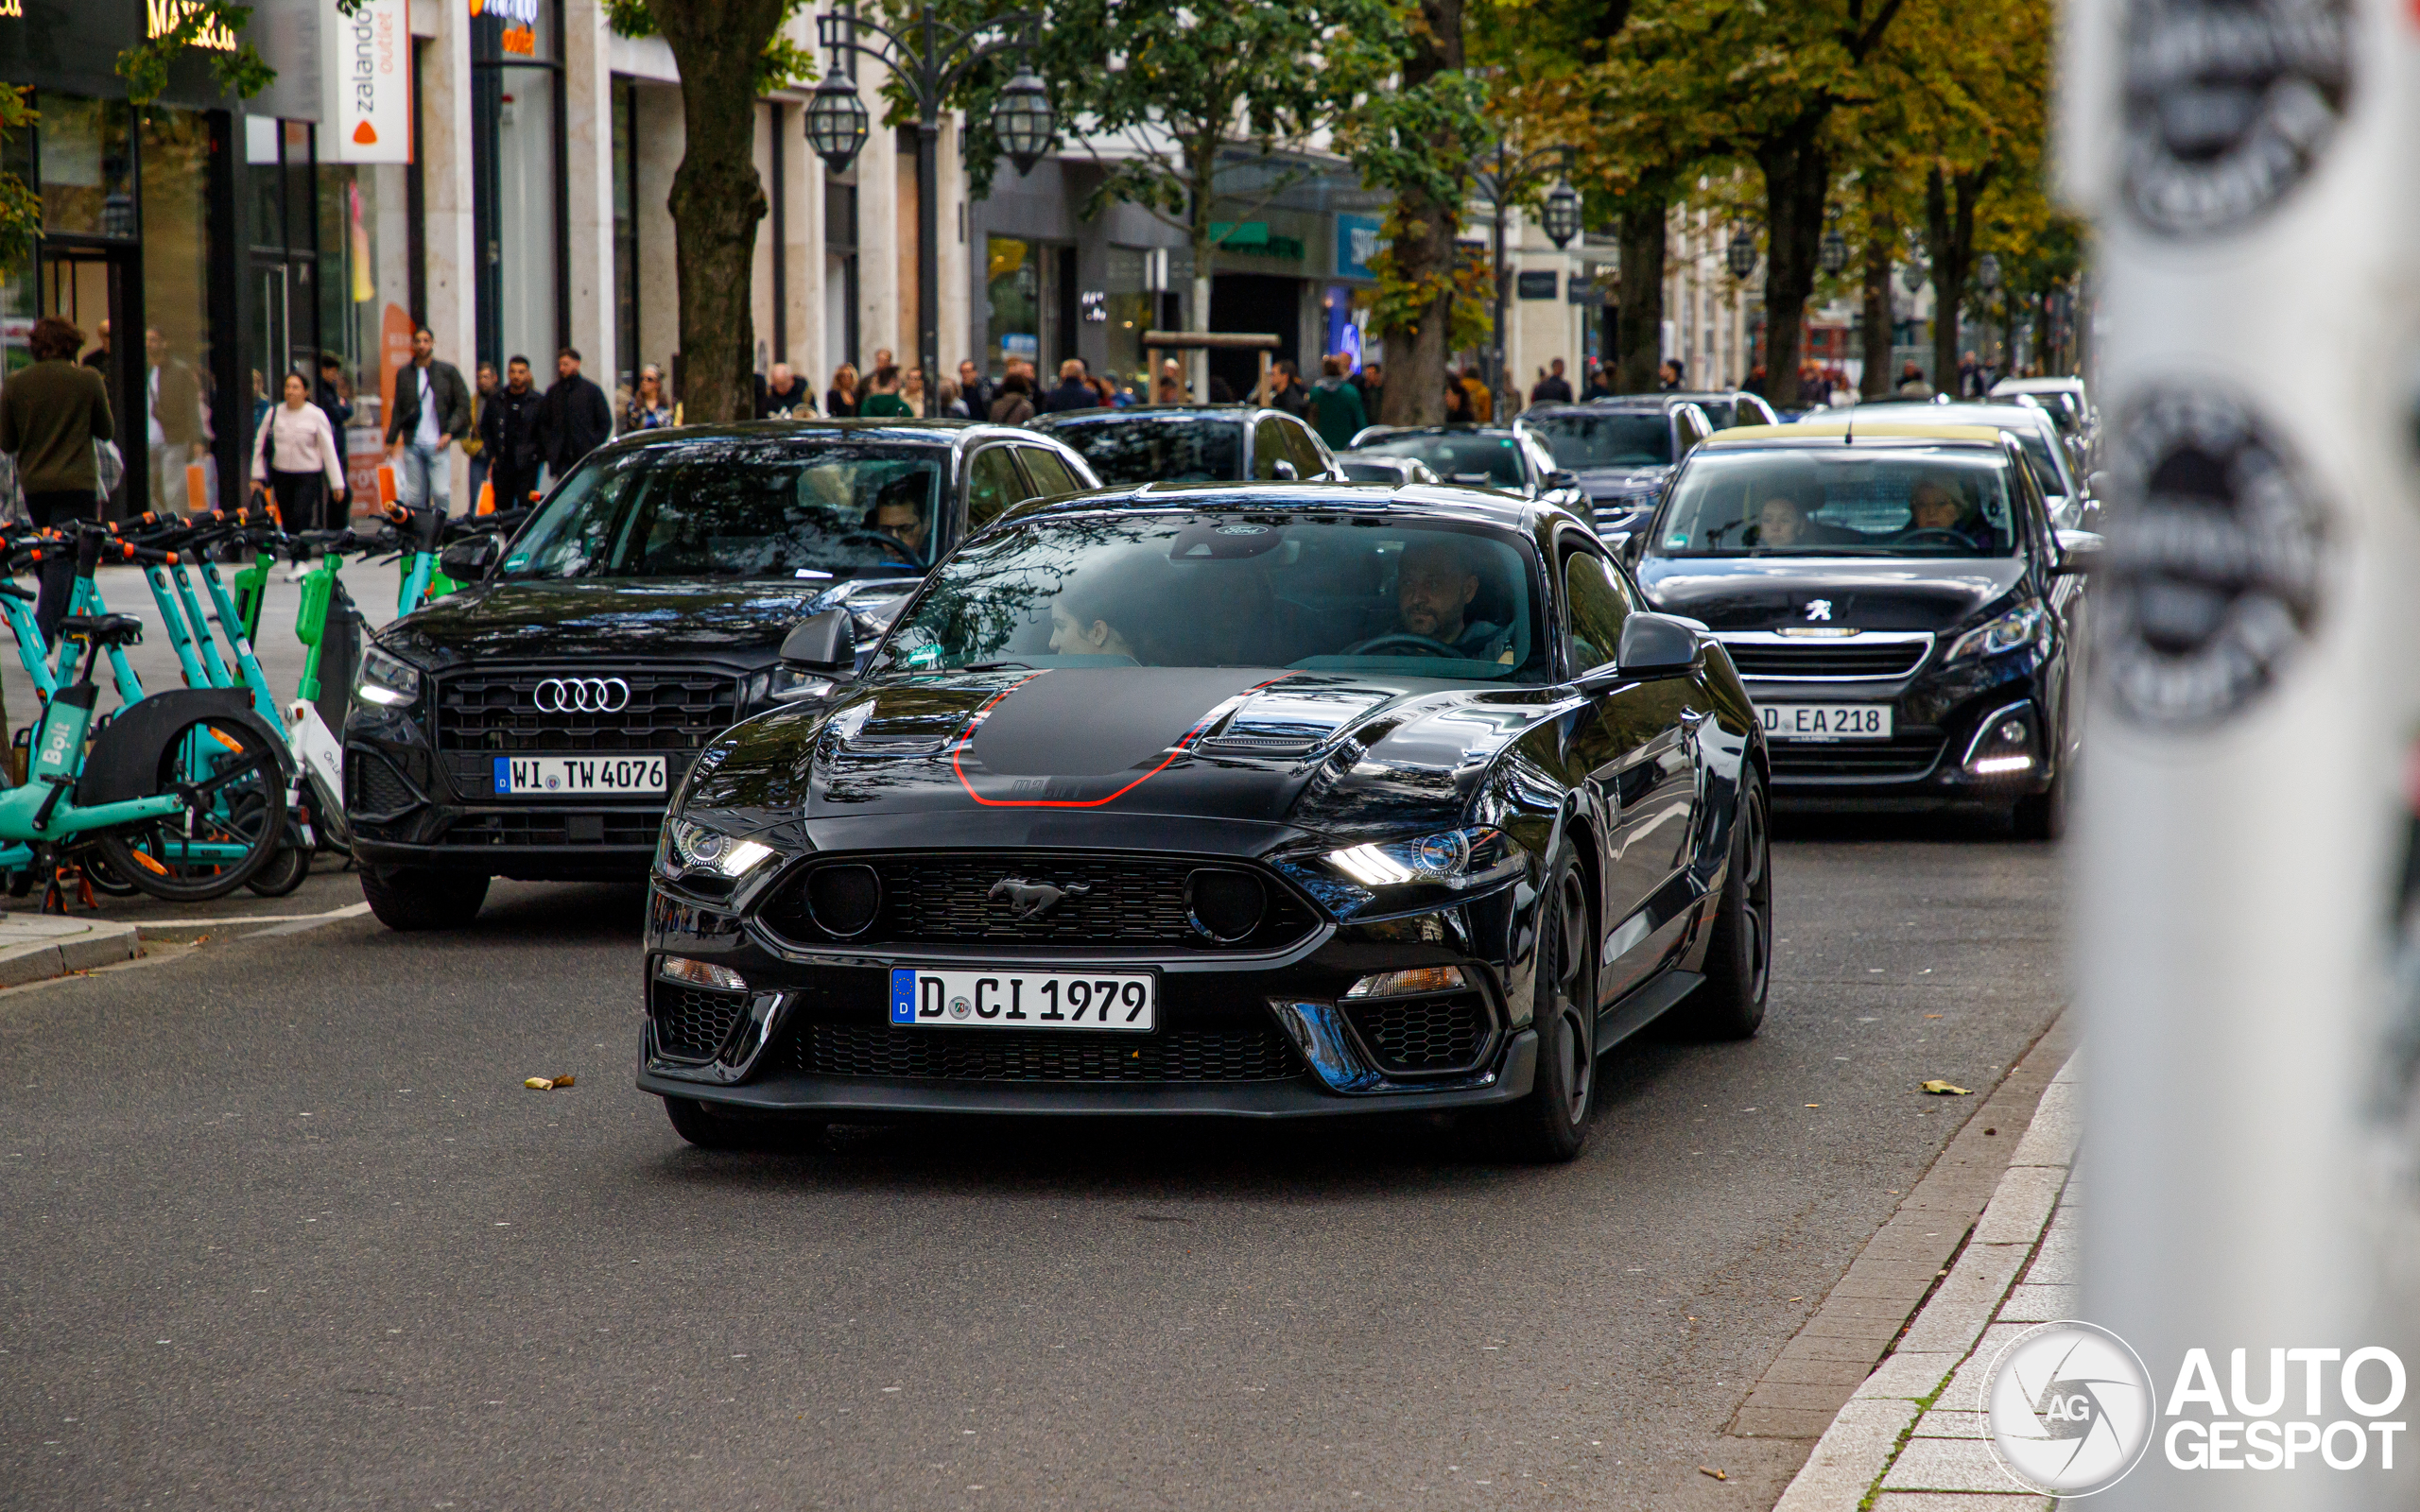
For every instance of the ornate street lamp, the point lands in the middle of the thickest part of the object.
(1743, 254)
(1987, 272)
(1562, 218)
(1911, 277)
(1834, 254)
(928, 57)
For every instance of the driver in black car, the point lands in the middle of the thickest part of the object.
(1934, 505)
(899, 514)
(1434, 588)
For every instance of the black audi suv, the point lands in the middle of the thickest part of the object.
(1263, 800)
(1619, 451)
(1898, 601)
(1192, 443)
(532, 724)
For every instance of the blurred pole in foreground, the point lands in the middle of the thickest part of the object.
(2239, 846)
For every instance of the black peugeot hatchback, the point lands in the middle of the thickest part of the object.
(531, 725)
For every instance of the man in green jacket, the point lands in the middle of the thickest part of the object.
(1335, 408)
(51, 413)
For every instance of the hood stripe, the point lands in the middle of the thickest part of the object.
(1184, 743)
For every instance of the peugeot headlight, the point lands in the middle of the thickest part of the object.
(386, 679)
(1451, 858)
(2006, 634)
(688, 846)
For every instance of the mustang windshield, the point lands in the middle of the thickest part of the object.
(718, 507)
(1619, 439)
(1141, 449)
(1242, 588)
(1842, 501)
(1458, 456)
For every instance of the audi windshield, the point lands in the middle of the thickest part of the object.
(716, 508)
(1840, 501)
(1131, 448)
(1581, 441)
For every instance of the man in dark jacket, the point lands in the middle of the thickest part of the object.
(432, 411)
(976, 389)
(511, 422)
(50, 415)
(577, 419)
(1552, 388)
(1072, 392)
(1285, 391)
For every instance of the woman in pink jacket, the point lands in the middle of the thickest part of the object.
(296, 458)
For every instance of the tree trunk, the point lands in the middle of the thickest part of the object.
(1201, 154)
(1423, 249)
(1881, 242)
(717, 199)
(1949, 234)
(1798, 175)
(1638, 232)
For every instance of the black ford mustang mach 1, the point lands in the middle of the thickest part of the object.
(1264, 800)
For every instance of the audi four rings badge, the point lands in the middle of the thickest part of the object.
(581, 696)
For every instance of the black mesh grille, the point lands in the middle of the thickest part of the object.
(374, 786)
(668, 710)
(1104, 901)
(547, 827)
(1911, 757)
(1241, 1054)
(691, 1022)
(1420, 1034)
(1827, 659)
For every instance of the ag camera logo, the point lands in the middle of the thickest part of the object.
(2069, 1409)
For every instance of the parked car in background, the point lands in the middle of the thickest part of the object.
(1506, 457)
(2067, 494)
(1622, 451)
(532, 725)
(2068, 405)
(1910, 622)
(1365, 467)
(1722, 408)
(1192, 443)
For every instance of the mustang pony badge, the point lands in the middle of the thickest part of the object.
(1033, 899)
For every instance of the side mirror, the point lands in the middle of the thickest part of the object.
(467, 560)
(1283, 471)
(1634, 547)
(1562, 478)
(821, 642)
(2078, 549)
(1657, 645)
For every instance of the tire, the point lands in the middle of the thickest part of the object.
(1739, 954)
(97, 872)
(236, 789)
(2043, 815)
(709, 1130)
(1551, 1125)
(285, 873)
(411, 898)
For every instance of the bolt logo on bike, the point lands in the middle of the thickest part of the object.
(584, 696)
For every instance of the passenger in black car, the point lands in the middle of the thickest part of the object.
(1780, 522)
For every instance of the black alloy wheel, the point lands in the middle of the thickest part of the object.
(2043, 815)
(1739, 954)
(1551, 1124)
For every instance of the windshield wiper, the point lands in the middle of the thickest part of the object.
(997, 666)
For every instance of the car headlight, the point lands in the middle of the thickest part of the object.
(781, 684)
(386, 679)
(2006, 634)
(688, 846)
(1451, 858)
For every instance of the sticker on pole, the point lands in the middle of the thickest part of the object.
(2229, 105)
(2068, 1409)
(2217, 551)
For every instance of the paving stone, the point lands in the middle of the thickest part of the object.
(1965, 1301)
(1948, 1422)
(2021, 1207)
(1965, 1388)
(1851, 1453)
(2038, 1304)
(1817, 1372)
(1817, 1346)
(2056, 1129)
(1958, 1502)
(1908, 1375)
(1888, 1279)
(1782, 1422)
(1947, 1465)
(1786, 1395)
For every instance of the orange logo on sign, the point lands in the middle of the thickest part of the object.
(365, 133)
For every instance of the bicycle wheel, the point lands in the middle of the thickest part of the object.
(232, 822)
(103, 877)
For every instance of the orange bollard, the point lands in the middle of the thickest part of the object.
(486, 499)
(386, 486)
(197, 489)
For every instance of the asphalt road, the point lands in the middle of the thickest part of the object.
(282, 1228)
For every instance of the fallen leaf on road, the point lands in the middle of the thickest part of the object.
(1717, 1474)
(560, 1082)
(538, 1084)
(1814, 1105)
(1943, 1089)
(1933, 1015)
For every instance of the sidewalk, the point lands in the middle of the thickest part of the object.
(1912, 1439)
(35, 948)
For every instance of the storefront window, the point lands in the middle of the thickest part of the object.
(87, 172)
(525, 244)
(365, 284)
(1014, 283)
(1130, 314)
(179, 418)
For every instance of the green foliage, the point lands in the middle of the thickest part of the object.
(19, 207)
(782, 64)
(1405, 296)
(241, 72)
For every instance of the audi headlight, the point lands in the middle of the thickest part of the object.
(386, 679)
(782, 685)
(688, 846)
(2006, 634)
(1452, 858)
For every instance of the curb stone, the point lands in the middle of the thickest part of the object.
(38, 947)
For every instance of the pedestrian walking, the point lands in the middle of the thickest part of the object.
(783, 396)
(1168, 389)
(1335, 409)
(52, 412)
(647, 409)
(432, 412)
(1458, 401)
(911, 391)
(297, 463)
(483, 388)
(1552, 388)
(1912, 384)
(952, 402)
(98, 359)
(577, 419)
(1483, 405)
(973, 389)
(511, 425)
(1670, 374)
(841, 402)
(1014, 404)
(1072, 392)
(885, 403)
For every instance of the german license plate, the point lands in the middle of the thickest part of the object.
(1826, 721)
(1022, 1000)
(566, 776)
